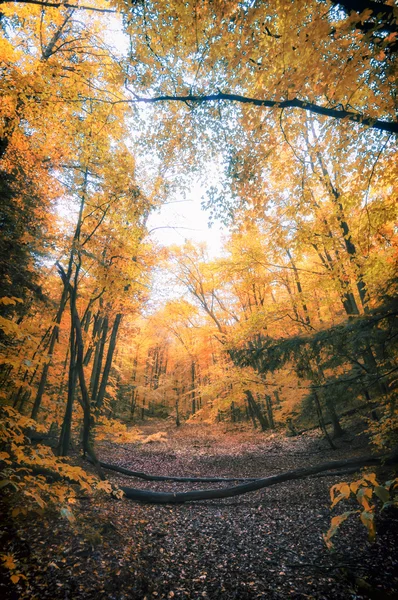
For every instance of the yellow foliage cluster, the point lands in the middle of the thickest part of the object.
(160, 436)
(33, 476)
(8, 562)
(363, 490)
(384, 433)
(117, 431)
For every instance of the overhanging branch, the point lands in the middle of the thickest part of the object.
(390, 126)
(60, 5)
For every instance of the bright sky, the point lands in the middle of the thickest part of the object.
(185, 220)
(180, 220)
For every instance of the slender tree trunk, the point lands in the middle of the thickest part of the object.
(50, 352)
(299, 288)
(178, 422)
(98, 358)
(338, 431)
(24, 399)
(193, 397)
(108, 363)
(85, 398)
(322, 421)
(250, 413)
(133, 404)
(347, 297)
(292, 299)
(270, 411)
(66, 278)
(64, 439)
(349, 244)
(257, 411)
(16, 396)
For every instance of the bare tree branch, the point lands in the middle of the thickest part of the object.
(390, 126)
(60, 5)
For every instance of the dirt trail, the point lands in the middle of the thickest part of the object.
(267, 544)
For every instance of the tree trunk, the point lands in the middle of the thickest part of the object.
(108, 363)
(24, 399)
(345, 230)
(50, 352)
(64, 439)
(321, 420)
(193, 397)
(299, 288)
(178, 422)
(338, 431)
(257, 411)
(98, 357)
(250, 414)
(270, 411)
(85, 398)
(133, 403)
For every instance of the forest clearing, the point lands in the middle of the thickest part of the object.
(267, 544)
(198, 299)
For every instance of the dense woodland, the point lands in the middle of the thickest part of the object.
(284, 112)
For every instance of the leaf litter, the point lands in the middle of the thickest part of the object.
(267, 544)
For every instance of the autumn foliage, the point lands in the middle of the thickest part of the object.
(111, 110)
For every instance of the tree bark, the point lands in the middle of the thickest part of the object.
(299, 288)
(108, 363)
(257, 411)
(85, 398)
(338, 431)
(64, 439)
(193, 396)
(53, 339)
(321, 420)
(98, 357)
(270, 411)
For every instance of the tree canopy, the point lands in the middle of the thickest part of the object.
(285, 113)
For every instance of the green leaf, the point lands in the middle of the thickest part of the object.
(382, 493)
(367, 519)
(65, 512)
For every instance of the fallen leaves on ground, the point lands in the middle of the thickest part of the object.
(267, 544)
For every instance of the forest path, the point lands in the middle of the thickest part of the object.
(266, 544)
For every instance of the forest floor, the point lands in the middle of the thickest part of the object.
(266, 544)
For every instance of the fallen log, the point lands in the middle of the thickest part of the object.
(149, 477)
(258, 484)
(339, 473)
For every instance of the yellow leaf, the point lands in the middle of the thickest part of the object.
(371, 477)
(344, 490)
(105, 486)
(334, 525)
(8, 561)
(354, 486)
(362, 497)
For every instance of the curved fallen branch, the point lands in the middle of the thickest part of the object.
(244, 488)
(148, 477)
